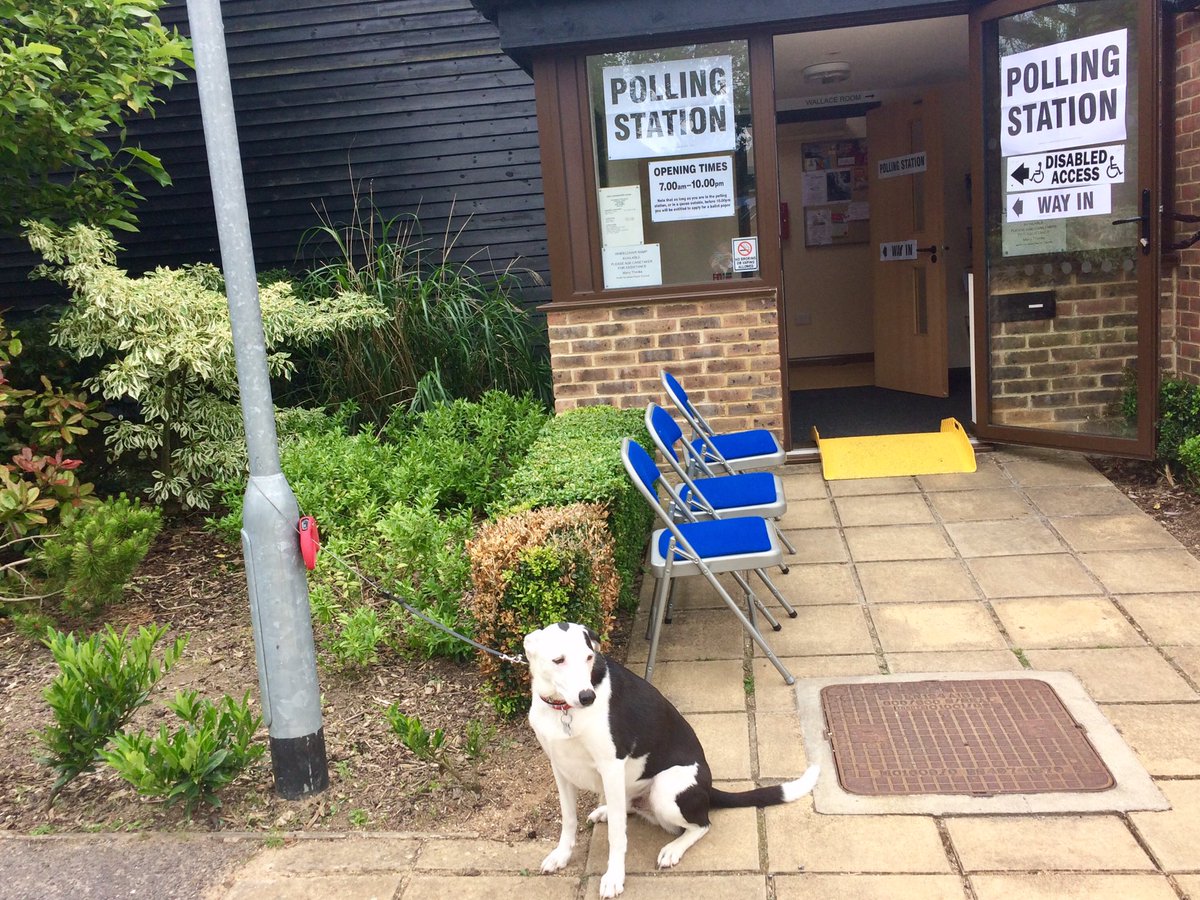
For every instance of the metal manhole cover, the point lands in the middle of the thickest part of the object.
(1002, 736)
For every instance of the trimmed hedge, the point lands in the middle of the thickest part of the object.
(532, 569)
(577, 459)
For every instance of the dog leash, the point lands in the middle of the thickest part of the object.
(307, 531)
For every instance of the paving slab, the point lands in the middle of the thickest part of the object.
(869, 887)
(818, 583)
(1113, 675)
(802, 483)
(1166, 736)
(915, 580)
(339, 855)
(1173, 835)
(322, 887)
(821, 631)
(885, 509)
(799, 839)
(534, 886)
(1188, 659)
(771, 695)
(814, 513)
(709, 686)
(952, 661)
(1131, 531)
(1037, 843)
(693, 635)
(780, 746)
(1009, 537)
(972, 506)
(725, 738)
(1145, 571)
(883, 542)
(1166, 618)
(1033, 468)
(672, 886)
(987, 474)
(1061, 622)
(472, 856)
(857, 487)
(1063, 885)
(818, 545)
(917, 627)
(1056, 575)
(1099, 500)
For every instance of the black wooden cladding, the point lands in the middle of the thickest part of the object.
(409, 103)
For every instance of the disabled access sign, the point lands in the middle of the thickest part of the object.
(1076, 167)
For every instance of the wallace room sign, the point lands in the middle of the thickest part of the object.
(669, 108)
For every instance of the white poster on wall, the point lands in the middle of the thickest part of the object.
(1069, 94)
(633, 266)
(700, 188)
(621, 215)
(669, 108)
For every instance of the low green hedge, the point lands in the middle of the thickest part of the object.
(577, 459)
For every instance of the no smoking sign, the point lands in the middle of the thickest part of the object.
(745, 254)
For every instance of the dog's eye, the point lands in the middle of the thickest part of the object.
(590, 657)
(559, 660)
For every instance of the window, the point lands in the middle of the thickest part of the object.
(674, 156)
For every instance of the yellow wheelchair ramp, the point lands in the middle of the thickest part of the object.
(884, 455)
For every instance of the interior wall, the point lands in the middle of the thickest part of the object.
(827, 290)
(956, 145)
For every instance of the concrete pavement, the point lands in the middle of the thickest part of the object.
(1034, 562)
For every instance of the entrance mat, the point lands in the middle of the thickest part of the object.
(975, 743)
(884, 455)
(983, 736)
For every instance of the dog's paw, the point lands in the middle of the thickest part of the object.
(670, 855)
(599, 814)
(556, 860)
(612, 884)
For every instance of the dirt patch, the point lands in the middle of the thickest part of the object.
(197, 585)
(1160, 495)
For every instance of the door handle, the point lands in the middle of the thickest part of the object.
(932, 250)
(1144, 218)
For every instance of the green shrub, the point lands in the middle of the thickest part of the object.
(532, 569)
(430, 746)
(163, 341)
(577, 459)
(1189, 456)
(1178, 416)
(193, 762)
(101, 682)
(94, 555)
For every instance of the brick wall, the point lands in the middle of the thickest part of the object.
(723, 350)
(1067, 373)
(1180, 331)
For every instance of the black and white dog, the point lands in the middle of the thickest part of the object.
(610, 732)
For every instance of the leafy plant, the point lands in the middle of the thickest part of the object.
(92, 557)
(478, 736)
(532, 569)
(164, 341)
(102, 681)
(70, 75)
(427, 746)
(577, 459)
(450, 333)
(1178, 416)
(193, 762)
(356, 638)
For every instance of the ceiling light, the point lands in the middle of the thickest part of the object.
(827, 72)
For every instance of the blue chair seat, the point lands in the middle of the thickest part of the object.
(733, 491)
(721, 537)
(740, 444)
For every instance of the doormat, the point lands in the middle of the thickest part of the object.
(979, 742)
(886, 455)
(981, 737)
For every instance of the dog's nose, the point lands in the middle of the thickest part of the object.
(587, 698)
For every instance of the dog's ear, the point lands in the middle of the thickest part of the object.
(531, 642)
(593, 639)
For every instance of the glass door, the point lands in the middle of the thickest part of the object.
(1066, 224)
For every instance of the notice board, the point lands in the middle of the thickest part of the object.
(836, 208)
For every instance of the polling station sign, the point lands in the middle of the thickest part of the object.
(1069, 94)
(669, 108)
(1066, 168)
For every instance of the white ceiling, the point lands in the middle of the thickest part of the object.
(881, 57)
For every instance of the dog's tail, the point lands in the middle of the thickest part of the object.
(766, 796)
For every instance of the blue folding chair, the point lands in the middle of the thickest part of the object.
(707, 547)
(734, 451)
(718, 496)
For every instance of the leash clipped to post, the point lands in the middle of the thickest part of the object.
(310, 541)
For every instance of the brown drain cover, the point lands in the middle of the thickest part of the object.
(1002, 736)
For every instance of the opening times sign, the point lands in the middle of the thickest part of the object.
(700, 188)
(669, 108)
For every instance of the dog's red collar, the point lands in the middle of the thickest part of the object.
(560, 705)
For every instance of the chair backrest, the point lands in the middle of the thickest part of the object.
(645, 474)
(677, 394)
(664, 430)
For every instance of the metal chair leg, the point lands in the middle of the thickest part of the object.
(657, 612)
(753, 603)
(783, 538)
(788, 677)
(787, 607)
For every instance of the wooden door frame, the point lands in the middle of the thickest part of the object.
(1150, 171)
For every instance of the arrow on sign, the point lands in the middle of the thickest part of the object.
(1018, 207)
(1020, 174)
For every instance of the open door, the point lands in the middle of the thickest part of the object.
(908, 215)
(1066, 223)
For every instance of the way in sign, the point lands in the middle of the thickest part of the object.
(1066, 204)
